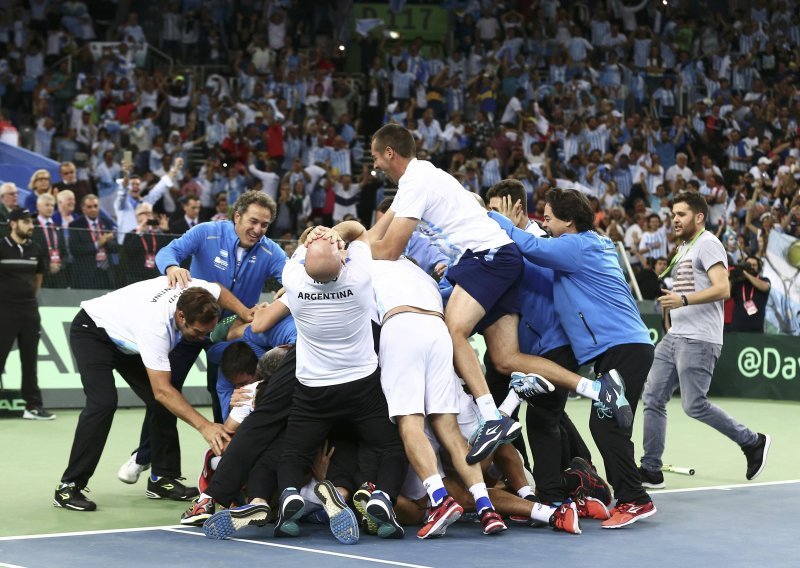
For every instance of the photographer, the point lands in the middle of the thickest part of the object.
(141, 244)
(749, 293)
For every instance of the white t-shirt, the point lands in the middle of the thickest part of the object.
(334, 319)
(140, 318)
(402, 283)
(448, 214)
(239, 413)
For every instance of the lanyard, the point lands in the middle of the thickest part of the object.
(144, 243)
(91, 234)
(684, 249)
(45, 230)
(752, 291)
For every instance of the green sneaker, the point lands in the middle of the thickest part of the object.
(360, 500)
(220, 331)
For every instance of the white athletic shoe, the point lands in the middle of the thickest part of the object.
(130, 470)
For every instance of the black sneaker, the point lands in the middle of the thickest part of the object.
(652, 479)
(757, 455)
(38, 413)
(380, 511)
(71, 497)
(169, 488)
(590, 484)
(290, 510)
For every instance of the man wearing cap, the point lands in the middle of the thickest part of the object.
(22, 264)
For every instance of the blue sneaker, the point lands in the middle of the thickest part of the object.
(291, 509)
(490, 434)
(528, 386)
(612, 399)
(224, 523)
(343, 522)
(380, 511)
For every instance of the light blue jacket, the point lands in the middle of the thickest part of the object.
(590, 294)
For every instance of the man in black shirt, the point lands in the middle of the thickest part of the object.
(22, 265)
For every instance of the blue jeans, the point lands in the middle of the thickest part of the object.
(688, 363)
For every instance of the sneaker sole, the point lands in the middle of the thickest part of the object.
(196, 520)
(224, 523)
(650, 485)
(633, 520)
(69, 507)
(485, 450)
(384, 519)
(343, 522)
(767, 444)
(290, 514)
(440, 526)
(186, 497)
(205, 472)
(360, 500)
(495, 527)
(38, 418)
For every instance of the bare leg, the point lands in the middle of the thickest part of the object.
(508, 460)
(445, 426)
(461, 316)
(502, 343)
(418, 448)
(410, 512)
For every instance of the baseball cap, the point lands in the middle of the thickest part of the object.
(764, 160)
(21, 213)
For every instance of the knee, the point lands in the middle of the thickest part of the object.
(695, 408)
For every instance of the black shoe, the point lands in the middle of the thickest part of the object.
(652, 479)
(169, 488)
(590, 484)
(757, 455)
(289, 512)
(72, 498)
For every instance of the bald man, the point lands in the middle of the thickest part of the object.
(329, 292)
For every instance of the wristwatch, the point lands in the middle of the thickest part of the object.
(685, 300)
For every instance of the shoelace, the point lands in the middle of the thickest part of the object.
(603, 410)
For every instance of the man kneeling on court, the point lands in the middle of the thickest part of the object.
(330, 295)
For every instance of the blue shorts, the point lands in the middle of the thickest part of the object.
(492, 278)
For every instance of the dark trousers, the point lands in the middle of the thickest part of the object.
(250, 457)
(554, 440)
(633, 362)
(22, 325)
(362, 403)
(97, 357)
(181, 360)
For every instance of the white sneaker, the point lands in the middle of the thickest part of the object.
(130, 470)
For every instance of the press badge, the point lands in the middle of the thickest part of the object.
(750, 308)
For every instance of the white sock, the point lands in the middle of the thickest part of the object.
(204, 496)
(481, 496)
(542, 512)
(524, 491)
(587, 388)
(487, 407)
(215, 462)
(435, 488)
(510, 404)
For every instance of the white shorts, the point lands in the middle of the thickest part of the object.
(468, 422)
(416, 357)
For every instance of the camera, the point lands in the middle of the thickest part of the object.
(153, 222)
(738, 270)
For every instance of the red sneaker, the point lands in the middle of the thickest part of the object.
(566, 519)
(441, 517)
(492, 522)
(625, 514)
(591, 508)
(589, 483)
(206, 473)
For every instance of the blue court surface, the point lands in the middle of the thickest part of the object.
(753, 525)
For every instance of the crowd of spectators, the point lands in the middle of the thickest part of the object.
(627, 101)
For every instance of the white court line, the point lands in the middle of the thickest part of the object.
(6, 565)
(722, 487)
(87, 533)
(303, 549)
